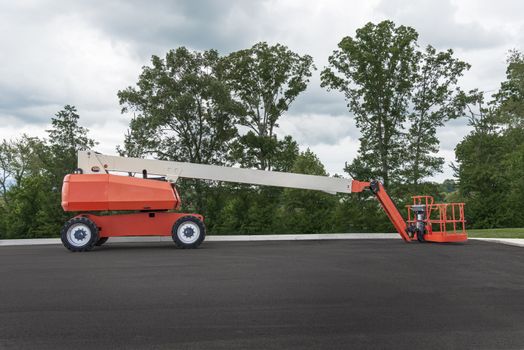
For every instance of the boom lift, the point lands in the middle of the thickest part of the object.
(93, 188)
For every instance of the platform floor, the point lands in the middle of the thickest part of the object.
(330, 294)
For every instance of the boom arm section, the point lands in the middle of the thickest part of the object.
(92, 163)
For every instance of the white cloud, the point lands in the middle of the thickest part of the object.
(65, 59)
(452, 133)
(449, 158)
(440, 24)
(334, 156)
(315, 129)
(56, 60)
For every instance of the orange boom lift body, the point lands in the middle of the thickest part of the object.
(154, 202)
(105, 192)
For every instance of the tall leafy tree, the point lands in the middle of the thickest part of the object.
(490, 159)
(435, 99)
(482, 179)
(65, 138)
(510, 103)
(375, 71)
(399, 96)
(510, 97)
(265, 80)
(183, 109)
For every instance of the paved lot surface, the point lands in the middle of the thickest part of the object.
(375, 294)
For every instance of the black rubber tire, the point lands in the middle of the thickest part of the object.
(89, 244)
(178, 242)
(101, 241)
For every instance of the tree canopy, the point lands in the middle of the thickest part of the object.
(183, 108)
(32, 171)
(265, 80)
(390, 86)
(490, 160)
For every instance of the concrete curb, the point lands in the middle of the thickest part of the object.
(34, 241)
(518, 242)
(228, 238)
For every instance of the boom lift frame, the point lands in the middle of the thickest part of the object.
(95, 188)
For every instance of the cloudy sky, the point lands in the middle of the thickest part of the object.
(54, 53)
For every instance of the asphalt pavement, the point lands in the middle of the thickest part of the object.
(343, 294)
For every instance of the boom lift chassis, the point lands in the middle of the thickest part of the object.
(94, 189)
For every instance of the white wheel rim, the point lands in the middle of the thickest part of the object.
(188, 232)
(79, 235)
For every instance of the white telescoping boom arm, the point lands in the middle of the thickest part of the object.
(91, 163)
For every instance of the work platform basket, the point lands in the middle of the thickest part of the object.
(443, 222)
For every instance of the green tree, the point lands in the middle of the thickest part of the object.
(18, 159)
(390, 86)
(375, 71)
(482, 179)
(265, 80)
(510, 97)
(240, 208)
(33, 211)
(509, 102)
(32, 171)
(65, 138)
(448, 186)
(513, 163)
(183, 109)
(304, 211)
(489, 159)
(435, 99)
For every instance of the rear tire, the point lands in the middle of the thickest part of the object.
(188, 232)
(79, 234)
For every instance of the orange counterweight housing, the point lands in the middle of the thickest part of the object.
(104, 192)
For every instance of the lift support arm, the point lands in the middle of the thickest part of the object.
(387, 204)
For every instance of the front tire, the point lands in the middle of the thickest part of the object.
(79, 234)
(188, 232)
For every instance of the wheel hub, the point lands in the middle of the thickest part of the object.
(189, 232)
(80, 234)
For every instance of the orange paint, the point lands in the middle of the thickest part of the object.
(445, 222)
(103, 192)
